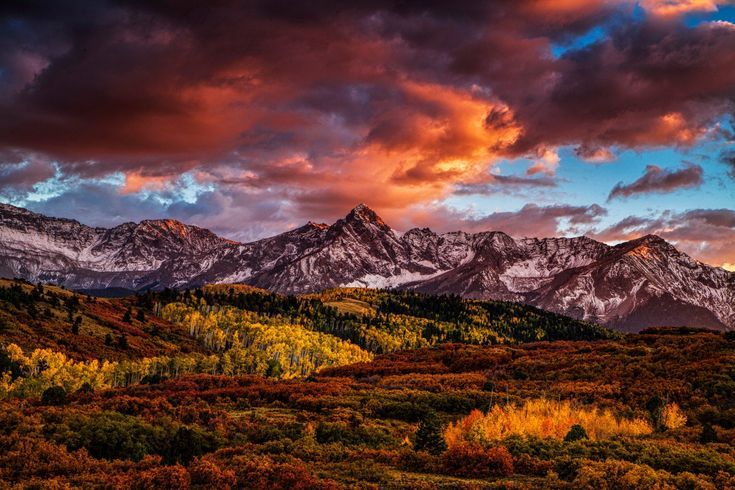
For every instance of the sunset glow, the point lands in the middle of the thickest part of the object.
(612, 119)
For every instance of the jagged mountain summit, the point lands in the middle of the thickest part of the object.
(636, 284)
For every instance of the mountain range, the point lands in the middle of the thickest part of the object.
(636, 284)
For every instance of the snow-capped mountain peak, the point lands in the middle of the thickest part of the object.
(639, 283)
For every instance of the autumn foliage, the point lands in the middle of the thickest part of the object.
(239, 388)
(473, 460)
(672, 417)
(541, 418)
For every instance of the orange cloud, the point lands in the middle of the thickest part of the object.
(546, 162)
(445, 138)
(670, 8)
(302, 109)
(136, 182)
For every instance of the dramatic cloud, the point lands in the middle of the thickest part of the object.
(657, 179)
(669, 8)
(20, 172)
(501, 183)
(533, 220)
(278, 111)
(529, 221)
(594, 154)
(706, 234)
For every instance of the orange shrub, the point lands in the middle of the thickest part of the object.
(540, 418)
(672, 417)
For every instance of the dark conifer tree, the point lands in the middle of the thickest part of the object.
(429, 435)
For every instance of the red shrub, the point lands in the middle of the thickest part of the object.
(263, 472)
(208, 474)
(528, 465)
(472, 460)
(165, 478)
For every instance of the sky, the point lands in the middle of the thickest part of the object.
(611, 119)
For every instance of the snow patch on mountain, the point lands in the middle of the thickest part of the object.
(382, 282)
(632, 285)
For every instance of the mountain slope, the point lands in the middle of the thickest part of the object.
(641, 283)
(130, 255)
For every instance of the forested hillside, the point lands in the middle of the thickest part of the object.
(84, 327)
(654, 411)
(54, 337)
(383, 321)
(235, 387)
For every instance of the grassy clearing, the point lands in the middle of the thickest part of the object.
(354, 306)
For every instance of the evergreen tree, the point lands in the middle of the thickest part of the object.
(140, 316)
(32, 310)
(429, 435)
(128, 316)
(56, 395)
(76, 325)
(708, 434)
(274, 369)
(655, 407)
(576, 433)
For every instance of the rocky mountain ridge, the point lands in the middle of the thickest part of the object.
(636, 284)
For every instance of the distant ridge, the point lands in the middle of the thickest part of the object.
(642, 283)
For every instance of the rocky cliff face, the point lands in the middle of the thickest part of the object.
(644, 282)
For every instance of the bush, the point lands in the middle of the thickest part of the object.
(672, 417)
(292, 474)
(349, 435)
(189, 442)
(56, 395)
(629, 476)
(472, 460)
(111, 435)
(209, 475)
(410, 460)
(576, 433)
(399, 410)
(164, 478)
(567, 467)
(528, 465)
(153, 379)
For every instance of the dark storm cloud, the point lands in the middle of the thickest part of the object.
(657, 179)
(309, 107)
(155, 81)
